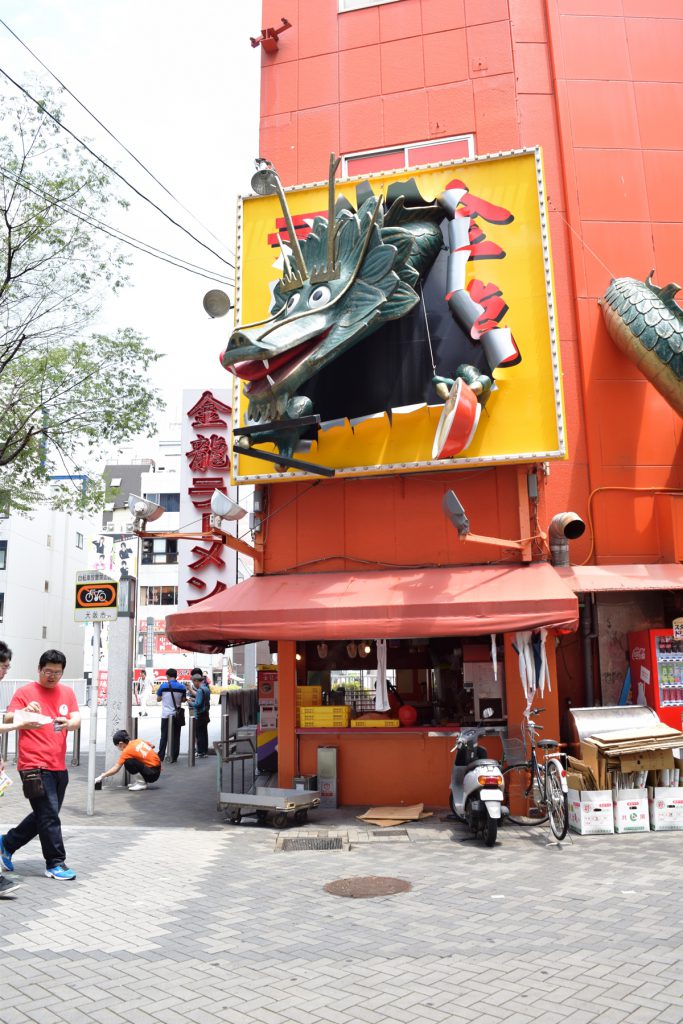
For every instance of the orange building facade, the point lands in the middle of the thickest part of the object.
(597, 86)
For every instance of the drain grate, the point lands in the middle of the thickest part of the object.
(306, 843)
(394, 833)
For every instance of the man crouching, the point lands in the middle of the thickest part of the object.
(138, 757)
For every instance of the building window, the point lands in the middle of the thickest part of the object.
(3, 554)
(49, 540)
(414, 154)
(355, 5)
(159, 595)
(2, 607)
(44, 632)
(169, 502)
(159, 552)
(47, 586)
(79, 541)
(115, 481)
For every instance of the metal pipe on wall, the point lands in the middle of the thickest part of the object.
(586, 624)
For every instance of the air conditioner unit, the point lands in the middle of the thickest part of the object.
(109, 528)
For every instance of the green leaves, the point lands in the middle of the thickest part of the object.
(64, 391)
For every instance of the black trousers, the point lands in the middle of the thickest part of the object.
(201, 725)
(163, 740)
(43, 821)
(135, 767)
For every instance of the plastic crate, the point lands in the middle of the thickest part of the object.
(375, 723)
(309, 696)
(326, 718)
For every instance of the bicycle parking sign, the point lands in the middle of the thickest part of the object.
(96, 598)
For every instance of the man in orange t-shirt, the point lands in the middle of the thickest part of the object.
(138, 757)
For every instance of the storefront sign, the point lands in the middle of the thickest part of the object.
(480, 309)
(207, 567)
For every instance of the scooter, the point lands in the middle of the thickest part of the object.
(477, 786)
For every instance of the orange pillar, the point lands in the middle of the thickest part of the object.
(286, 726)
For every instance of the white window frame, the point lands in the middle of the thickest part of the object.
(467, 137)
(356, 5)
(79, 540)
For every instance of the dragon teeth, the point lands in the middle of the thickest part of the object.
(266, 363)
(270, 380)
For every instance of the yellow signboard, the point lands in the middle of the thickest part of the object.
(484, 302)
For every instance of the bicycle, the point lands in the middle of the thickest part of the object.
(545, 782)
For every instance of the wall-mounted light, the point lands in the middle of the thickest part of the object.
(322, 650)
(352, 649)
(364, 649)
(298, 656)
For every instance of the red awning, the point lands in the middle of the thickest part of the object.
(596, 578)
(465, 601)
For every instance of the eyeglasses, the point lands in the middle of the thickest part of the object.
(56, 673)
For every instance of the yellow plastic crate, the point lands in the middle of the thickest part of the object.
(309, 696)
(375, 723)
(326, 718)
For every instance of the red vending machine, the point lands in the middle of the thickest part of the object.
(657, 673)
(266, 732)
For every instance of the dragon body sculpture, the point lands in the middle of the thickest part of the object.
(646, 323)
(356, 271)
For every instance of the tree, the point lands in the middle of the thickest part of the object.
(64, 390)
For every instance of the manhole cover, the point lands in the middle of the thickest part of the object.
(394, 833)
(364, 888)
(305, 843)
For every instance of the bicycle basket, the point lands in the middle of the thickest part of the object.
(514, 751)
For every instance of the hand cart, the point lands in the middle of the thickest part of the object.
(279, 806)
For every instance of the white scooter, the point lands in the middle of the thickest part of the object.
(477, 786)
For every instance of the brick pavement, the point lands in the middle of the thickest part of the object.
(215, 923)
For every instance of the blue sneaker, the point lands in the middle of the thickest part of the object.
(5, 856)
(60, 871)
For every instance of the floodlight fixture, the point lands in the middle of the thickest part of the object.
(143, 510)
(225, 508)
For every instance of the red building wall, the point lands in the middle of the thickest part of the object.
(598, 84)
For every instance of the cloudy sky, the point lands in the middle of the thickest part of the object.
(178, 84)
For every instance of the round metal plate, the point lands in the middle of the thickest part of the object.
(365, 888)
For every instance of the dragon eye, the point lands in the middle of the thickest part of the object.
(319, 297)
(293, 301)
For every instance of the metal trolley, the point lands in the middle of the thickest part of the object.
(278, 807)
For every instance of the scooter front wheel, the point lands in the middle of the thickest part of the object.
(490, 831)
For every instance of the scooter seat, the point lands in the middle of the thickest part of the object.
(481, 763)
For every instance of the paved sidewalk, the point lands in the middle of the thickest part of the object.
(175, 919)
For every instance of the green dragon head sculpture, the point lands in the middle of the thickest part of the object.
(317, 314)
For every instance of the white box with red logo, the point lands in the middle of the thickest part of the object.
(630, 810)
(591, 812)
(666, 808)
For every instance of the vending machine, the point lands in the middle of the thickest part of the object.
(656, 659)
(266, 732)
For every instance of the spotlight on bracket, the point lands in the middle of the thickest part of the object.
(144, 511)
(225, 508)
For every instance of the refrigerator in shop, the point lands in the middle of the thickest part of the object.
(266, 731)
(656, 659)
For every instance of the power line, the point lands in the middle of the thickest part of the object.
(120, 236)
(112, 170)
(111, 134)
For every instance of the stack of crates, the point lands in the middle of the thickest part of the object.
(309, 696)
(336, 717)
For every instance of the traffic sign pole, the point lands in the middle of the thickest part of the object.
(94, 691)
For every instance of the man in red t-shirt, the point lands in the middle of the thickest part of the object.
(138, 757)
(42, 765)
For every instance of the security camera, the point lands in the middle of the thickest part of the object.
(143, 509)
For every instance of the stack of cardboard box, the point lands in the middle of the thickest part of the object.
(634, 775)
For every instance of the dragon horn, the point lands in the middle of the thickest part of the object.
(297, 279)
(332, 270)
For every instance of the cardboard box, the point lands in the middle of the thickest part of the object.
(575, 782)
(631, 813)
(666, 808)
(647, 761)
(591, 812)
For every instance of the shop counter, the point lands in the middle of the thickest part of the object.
(388, 765)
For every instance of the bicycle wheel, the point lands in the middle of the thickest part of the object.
(558, 808)
(518, 786)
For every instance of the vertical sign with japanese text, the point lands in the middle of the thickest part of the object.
(207, 567)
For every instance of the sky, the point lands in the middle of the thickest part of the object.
(178, 84)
